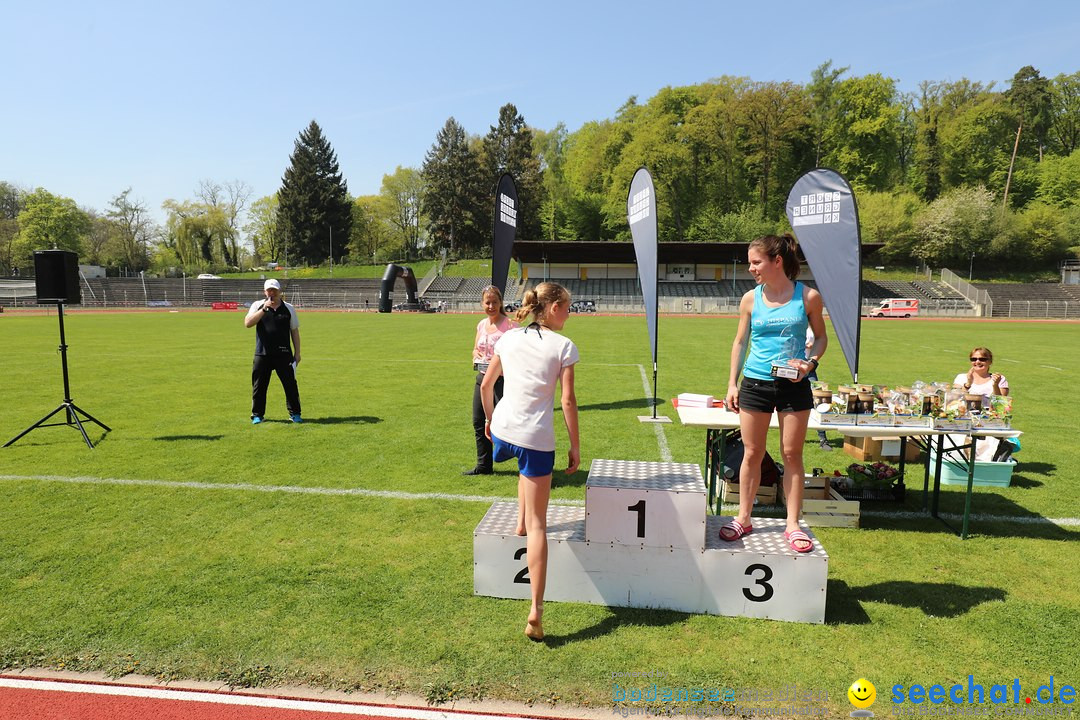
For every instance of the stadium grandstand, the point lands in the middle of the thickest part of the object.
(693, 278)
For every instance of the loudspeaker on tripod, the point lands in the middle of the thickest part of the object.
(56, 277)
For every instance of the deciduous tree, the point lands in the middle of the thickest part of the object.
(264, 230)
(1065, 101)
(402, 192)
(48, 221)
(134, 230)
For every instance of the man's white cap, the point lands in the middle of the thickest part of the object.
(271, 283)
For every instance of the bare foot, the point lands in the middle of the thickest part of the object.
(534, 631)
(534, 628)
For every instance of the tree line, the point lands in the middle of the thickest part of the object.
(951, 170)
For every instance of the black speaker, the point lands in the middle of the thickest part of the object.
(56, 277)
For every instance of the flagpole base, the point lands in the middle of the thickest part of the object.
(651, 419)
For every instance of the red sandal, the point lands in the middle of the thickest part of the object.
(798, 536)
(735, 530)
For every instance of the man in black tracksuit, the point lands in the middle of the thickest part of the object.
(275, 324)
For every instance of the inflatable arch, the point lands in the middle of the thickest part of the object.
(393, 272)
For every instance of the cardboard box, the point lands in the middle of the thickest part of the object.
(824, 507)
(869, 449)
(729, 493)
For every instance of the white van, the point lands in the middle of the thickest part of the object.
(896, 307)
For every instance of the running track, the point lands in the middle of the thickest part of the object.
(28, 698)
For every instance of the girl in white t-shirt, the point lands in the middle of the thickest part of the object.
(534, 359)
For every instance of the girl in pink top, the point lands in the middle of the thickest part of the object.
(488, 332)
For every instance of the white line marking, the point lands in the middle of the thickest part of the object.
(242, 700)
(397, 495)
(1053, 368)
(1008, 360)
(661, 438)
(291, 489)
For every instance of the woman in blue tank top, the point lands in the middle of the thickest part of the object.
(773, 318)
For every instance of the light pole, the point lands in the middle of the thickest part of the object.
(971, 265)
(331, 251)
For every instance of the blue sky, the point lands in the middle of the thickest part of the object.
(99, 97)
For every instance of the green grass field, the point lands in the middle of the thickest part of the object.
(130, 569)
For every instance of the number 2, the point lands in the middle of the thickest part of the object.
(523, 576)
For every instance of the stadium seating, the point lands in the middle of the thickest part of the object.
(1048, 300)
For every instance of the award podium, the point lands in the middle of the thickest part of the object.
(644, 540)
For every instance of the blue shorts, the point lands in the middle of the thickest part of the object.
(531, 463)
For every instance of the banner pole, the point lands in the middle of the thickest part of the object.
(654, 401)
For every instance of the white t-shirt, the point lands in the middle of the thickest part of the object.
(982, 388)
(532, 360)
(986, 447)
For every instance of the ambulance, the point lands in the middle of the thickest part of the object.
(896, 307)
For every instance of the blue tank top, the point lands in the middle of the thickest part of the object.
(776, 333)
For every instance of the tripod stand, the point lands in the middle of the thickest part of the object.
(68, 406)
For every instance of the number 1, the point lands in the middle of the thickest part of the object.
(639, 508)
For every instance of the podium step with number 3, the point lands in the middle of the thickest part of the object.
(643, 540)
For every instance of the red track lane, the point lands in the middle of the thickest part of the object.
(25, 698)
(48, 705)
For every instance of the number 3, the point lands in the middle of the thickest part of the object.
(767, 589)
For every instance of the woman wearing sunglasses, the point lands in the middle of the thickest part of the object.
(978, 380)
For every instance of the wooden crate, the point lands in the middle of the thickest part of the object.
(729, 493)
(824, 507)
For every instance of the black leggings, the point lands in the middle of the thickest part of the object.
(483, 445)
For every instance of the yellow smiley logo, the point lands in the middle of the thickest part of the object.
(862, 693)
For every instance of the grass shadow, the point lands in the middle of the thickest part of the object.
(1016, 524)
(345, 420)
(842, 606)
(616, 618)
(174, 438)
(934, 599)
(1027, 483)
(637, 403)
(1036, 468)
(561, 479)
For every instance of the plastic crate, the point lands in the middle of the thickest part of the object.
(988, 474)
(889, 494)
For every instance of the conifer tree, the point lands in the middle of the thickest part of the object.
(454, 200)
(315, 209)
(508, 147)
